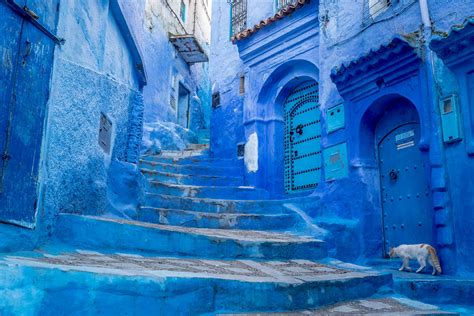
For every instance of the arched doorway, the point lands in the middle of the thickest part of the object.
(302, 138)
(404, 178)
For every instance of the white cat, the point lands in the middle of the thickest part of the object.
(420, 252)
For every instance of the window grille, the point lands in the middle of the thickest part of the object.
(373, 8)
(105, 133)
(280, 4)
(238, 16)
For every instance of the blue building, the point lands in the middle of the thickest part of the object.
(174, 37)
(362, 105)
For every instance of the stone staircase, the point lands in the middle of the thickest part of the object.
(201, 243)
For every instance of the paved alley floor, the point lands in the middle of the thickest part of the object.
(291, 271)
(379, 306)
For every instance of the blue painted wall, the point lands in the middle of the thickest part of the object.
(94, 72)
(162, 62)
(225, 71)
(344, 35)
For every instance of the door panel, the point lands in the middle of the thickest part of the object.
(302, 138)
(11, 27)
(406, 195)
(26, 113)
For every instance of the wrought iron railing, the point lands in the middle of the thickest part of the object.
(239, 16)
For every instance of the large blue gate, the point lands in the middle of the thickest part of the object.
(302, 138)
(405, 191)
(26, 47)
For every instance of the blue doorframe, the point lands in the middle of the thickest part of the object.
(23, 106)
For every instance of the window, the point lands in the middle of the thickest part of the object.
(105, 133)
(238, 16)
(280, 4)
(377, 7)
(242, 85)
(182, 11)
(374, 8)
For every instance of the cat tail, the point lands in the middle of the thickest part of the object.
(435, 259)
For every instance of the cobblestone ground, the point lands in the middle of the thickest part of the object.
(292, 271)
(382, 306)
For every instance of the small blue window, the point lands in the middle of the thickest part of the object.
(182, 11)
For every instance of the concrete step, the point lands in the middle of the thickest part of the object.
(217, 220)
(78, 282)
(123, 235)
(197, 146)
(222, 192)
(200, 159)
(215, 205)
(191, 169)
(175, 178)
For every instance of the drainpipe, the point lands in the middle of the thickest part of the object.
(441, 198)
(425, 14)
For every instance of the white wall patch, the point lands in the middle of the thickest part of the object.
(251, 153)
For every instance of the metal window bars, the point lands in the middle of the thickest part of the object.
(374, 8)
(239, 16)
(280, 4)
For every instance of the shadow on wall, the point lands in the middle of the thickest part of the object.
(160, 136)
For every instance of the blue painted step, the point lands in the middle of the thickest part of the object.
(217, 220)
(200, 159)
(192, 169)
(94, 283)
(240, 193)
(122, 235)
(214, 205)
(175, 178)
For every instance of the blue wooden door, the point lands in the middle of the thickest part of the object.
(23, 96)
(302, 138)
(406, 195)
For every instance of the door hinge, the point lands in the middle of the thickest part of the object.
(31, 12)
(6, 157)
(32, 17)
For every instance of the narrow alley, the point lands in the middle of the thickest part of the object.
(236, 157)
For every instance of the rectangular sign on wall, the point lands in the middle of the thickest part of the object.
(335, 162)
(335, 118)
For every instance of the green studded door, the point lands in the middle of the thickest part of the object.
(302, 138)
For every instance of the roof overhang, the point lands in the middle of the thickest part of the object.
(189, 49)
(384, 66)
(456, 47)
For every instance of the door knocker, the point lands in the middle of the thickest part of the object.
(299, 129)
(393, 175)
